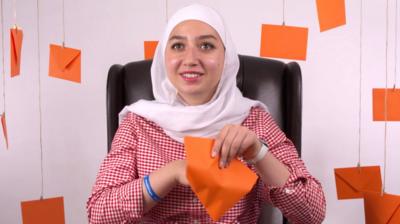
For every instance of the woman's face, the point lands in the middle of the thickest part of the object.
(194, 59)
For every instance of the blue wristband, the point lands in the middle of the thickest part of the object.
(149, 190)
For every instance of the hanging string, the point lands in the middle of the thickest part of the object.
(3, 72)
(283, 12)
(63, 24)
(40, 101)
(360, 85)
(15, 13)
(385, 99)
(395, 49)
(166, 11)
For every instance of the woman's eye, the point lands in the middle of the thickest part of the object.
(207, 46)
(177, 46)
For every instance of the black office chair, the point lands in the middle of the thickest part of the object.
(275, 83)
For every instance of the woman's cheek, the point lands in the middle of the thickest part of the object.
(172, 65)
(215, 67)
(212, 64)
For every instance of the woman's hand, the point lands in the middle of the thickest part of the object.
(164, 180)
(179, 169)
(235, 141)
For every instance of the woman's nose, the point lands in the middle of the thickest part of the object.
(191, 57)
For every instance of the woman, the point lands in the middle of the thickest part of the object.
(143, 178)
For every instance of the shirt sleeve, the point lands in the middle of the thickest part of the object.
(117, 194)
(301, 199)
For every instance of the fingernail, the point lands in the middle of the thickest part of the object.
(213, 154)
(221, 164)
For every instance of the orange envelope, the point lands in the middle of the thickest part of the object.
(331, 14)
(4, 125)
(284, 42)
(149, 49)
(65, 63)
(217, 189)
(45, 211)
(352, 182)
(381, 209)
(16, 36)
(392, 105)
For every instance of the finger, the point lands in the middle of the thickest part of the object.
(218, 141)
(243, 144)
(252, 143)
(227, 146)
(236, 145)
(216, 147)
(246, 143)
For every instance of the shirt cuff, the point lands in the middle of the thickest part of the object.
(132, 199)
(292, 185)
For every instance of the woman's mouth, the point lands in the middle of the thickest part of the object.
(191, 77)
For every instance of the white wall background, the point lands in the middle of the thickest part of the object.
(109, 32)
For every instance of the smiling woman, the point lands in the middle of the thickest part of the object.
(194, 60)
(143, 179)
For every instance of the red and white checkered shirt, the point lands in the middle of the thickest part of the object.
(140, 147)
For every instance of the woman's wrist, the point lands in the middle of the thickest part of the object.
(154, 196)
(258, 154)
(252, 152)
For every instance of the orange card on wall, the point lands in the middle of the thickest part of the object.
(44, 211)
(392, 104)
(288, 42)
(4, 125)
(65, 63)
(149, 49)
(217, 189)
(331, 14)
(352, 182)
(381, 209)
(16, 36)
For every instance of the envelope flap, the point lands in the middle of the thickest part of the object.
(361, 178)
(64, 56)
(380, 209)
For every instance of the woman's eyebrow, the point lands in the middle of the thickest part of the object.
(177, 37)
(201, 37)
(208, 36)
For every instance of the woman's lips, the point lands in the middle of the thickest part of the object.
(191, 77)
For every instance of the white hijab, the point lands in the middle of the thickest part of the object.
(227, 106)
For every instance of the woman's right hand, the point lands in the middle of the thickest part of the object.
(164, 180)
(179, 169)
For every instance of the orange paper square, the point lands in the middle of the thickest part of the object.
(352, 182)
(46, 211)
(65, 63)
(288, 42)
(149, 49)
(331, 14)
(16, 36)
(217, 189)
(381, 209)
(392, 104)
(4, 125)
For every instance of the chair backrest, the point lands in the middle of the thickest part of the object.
(273, 82)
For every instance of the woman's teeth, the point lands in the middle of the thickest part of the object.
(190, 75)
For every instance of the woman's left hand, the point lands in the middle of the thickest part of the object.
(235, 141)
